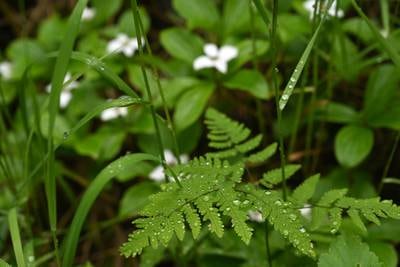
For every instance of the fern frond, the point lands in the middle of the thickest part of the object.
(231, 139)
(207, 192)
(284, 216)
(274, 177)
(334, 204)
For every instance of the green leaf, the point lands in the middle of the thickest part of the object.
(274, 176)
(353, 144)
(388, 118)
(386, 253)
(245, 48)
(16, 237)
(198, 14)
(381, 89)
(349, 251)
(236, 17)
(182, 44)
(251, 81)
(94, 146)
(51, 31)
(191, 105)
(105, 9)
(4, 264)
(126, 23)
(136, 197)
(337, 113)
(306, 190)
(90, 196)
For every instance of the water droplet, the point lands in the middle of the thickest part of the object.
(284, 211)
(285, 97)
(281, 105)
(65, 135)
(246, 202)
(292, 217)
(278, 203)
(31, 258)
(333, 230)
(228, 209)
(290, 86)
(285, 232)
(268, 193)
(335, 223)
(236, 202)
(276, 70)
(206, 198)
(292, 79)
(302, 230)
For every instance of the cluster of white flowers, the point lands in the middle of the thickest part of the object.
(306, 211)
(113, 113)
(88, 14)
(255, 216)
(309, 5)
(66, 94)
(123, 44)
(215, 57)
(157, 174)
(6, 70)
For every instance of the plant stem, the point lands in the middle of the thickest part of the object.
(389, 162)
(139, 34)
(277, 93)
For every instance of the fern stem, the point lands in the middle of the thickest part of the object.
(260, 118)
(276, 90)
(389, 162)
(161, 92)
(139, 34)
(267, 244)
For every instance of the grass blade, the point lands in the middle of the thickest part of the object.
(109, 172)
(15, 237)
(386, 45)
(57, 80)
(299, 68)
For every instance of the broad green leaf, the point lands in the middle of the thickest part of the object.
(246, 52)
(191, 105)
(23, 53)
(345, 57)
(386, 253)
(306, 190)
(105, 9)
(136, 197)
(292, 27)
(60, 127)
(182, 44)
(50, 32)
(353, 144)
(381, 89)
(337, 113)
(126, 23)
(359, 28)
(236, 17)
(94, 145)
(389, 118)
(349, 251)
(251, 81)
(198, 14)
(4, 264)
(89, 197)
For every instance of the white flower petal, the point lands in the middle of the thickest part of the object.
(88, 14)
(211, 50)
(184, 158)
(109, 114)
(157, 174)
(306, 211)
(169, 157)
(203, 62)
(123, 111)
(6, 70)
(221, 65)
(65, 98)
(255, 216)
(128, 50)
(228, 52)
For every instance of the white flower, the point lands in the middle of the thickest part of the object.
(122, 43)
(113, 113)
(88, 14)
(6, 70)
(66, 95)
(384, 33)
(306, 211)
(157, 174)
(255, 216)
(309, 5)
(216, 58)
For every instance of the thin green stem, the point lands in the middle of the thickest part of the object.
(389, 162)
(277, 93)
(161, 92)
(139, 33)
